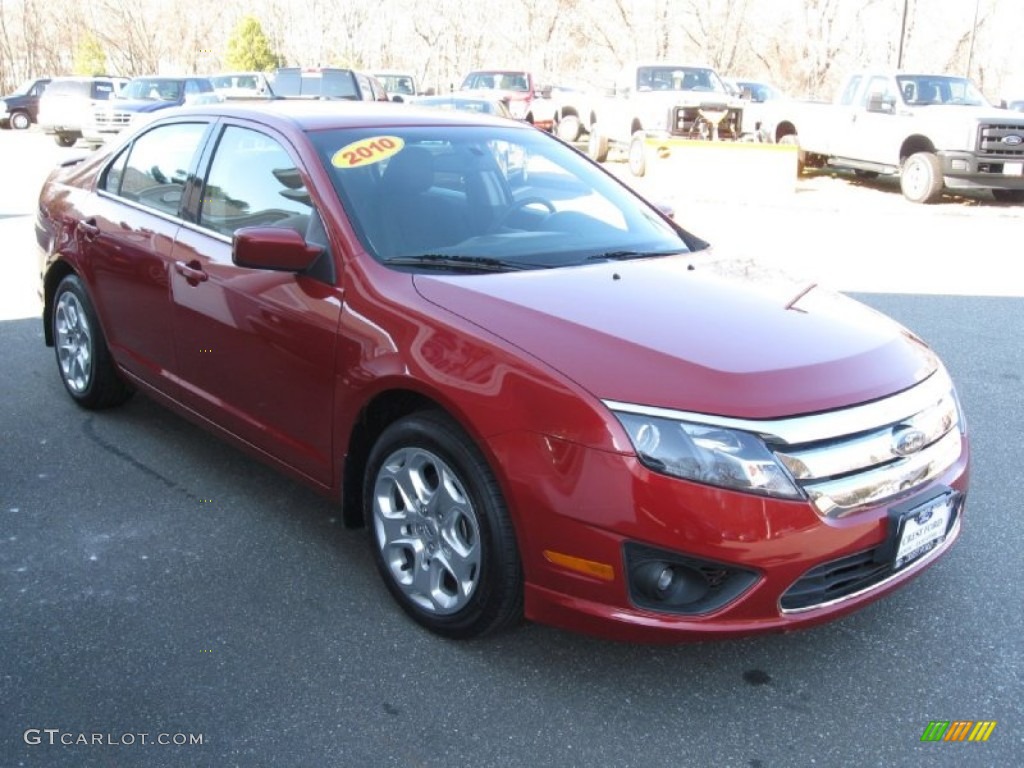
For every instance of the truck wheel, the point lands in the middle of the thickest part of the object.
(568, 128)
(597, 145)
(637, 154)
(64, 139)
(792, 140)
(1008, 195)
(20, 121)
(921, 178)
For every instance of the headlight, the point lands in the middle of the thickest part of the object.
(3, 105)
(708, 454)
(518, 109)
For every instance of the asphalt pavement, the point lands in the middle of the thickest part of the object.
(159, 586)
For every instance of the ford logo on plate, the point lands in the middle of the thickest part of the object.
(907, 440)
(1013, 140)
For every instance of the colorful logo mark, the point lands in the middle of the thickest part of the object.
(958, 730)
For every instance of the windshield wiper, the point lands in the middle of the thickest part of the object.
(627, 255)
(465, 263)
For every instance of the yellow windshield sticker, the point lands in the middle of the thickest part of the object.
(366, 151)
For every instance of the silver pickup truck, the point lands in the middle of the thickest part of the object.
(935, 132)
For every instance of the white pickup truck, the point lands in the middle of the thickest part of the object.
(663, 100)
(935, 132)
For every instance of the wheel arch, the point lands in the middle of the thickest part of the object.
(914, 144)
(377, 414)
(783, 129)
(57, 272)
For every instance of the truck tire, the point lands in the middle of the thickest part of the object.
(637, 155)
(568, 128)
(597, 145)
(65, 139)
(792, 140)
(921, 178)
(20, 120)
(1008, 195)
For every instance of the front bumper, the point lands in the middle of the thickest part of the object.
(967, 170)
(602, 504)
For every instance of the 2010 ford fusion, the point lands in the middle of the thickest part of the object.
(540, 395)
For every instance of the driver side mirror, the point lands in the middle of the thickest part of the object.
(879, 102)
(277, 248)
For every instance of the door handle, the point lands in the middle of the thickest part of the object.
(89, 228)
(192, 271)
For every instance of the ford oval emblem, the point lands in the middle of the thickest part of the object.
(907, 440)
(1013, 140)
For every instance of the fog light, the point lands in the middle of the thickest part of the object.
(672, 585)
(672, 582)
(959, 165)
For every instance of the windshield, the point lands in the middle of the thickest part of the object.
(512, 196)
(398, 84)
(152, 89)
(500, 81)
(23, 88)
(678, 79)
(936, 89)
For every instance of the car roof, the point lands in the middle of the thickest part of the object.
(319, 114)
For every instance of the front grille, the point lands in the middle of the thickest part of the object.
(697, 122)
(112, 119)
(849, 575)
(990, 139)
(871, 454)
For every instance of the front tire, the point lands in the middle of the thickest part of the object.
(792, 140)
(921, 178)
(20, 121)
(83, 359)
(65, 139)
(441, 535)
(637, 155)
(597, 145)
(568, 128)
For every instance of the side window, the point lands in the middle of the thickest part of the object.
(191, 88)
(111, 181)
(253, 181)
(878, 90)
(158, 165)
(851, 90)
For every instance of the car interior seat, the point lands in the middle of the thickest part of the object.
(417, 219)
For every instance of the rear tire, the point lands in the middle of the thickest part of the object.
(921, 178)
(65, 139)
(440, 532)
(20, 121)
(83, 359)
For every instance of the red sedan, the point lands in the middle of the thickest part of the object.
(540, 395)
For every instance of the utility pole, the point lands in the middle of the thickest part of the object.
(903, 34)
(974, 31)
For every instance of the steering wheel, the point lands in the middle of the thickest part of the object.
(518, 205)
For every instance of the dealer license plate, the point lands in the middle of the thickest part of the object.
(922, 529)
(1013, 169)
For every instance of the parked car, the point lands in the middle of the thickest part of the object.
(539, 394)
(467, 101)
(240, 85)
(933, 131)
(140, 98)
(327, 83)
(758, 99)
(527, 99)
(67, 104)
(400, 86)
(20, 109)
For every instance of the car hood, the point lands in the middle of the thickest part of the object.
(693, 334)
(140, 105)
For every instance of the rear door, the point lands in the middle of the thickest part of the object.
(127, 236)
(256, 347)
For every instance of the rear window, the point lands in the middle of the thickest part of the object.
(102, 90)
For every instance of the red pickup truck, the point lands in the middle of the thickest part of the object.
(526, 99)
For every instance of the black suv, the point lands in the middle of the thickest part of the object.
(19, 109)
